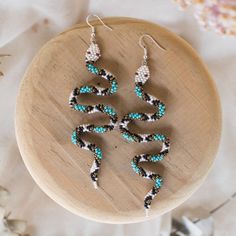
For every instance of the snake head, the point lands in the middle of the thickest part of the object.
(142, 74)
(93, 53)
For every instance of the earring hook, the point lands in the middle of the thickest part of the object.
(92, 27)
(143, 46)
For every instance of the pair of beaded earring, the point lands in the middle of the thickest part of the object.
(141, 77)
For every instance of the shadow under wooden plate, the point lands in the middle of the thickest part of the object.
(44, 121)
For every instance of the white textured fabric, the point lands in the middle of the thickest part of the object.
(24, 26)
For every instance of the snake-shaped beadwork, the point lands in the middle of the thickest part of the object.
(92, 55)
(141, 76)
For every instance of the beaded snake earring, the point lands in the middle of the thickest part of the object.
(141, 77)
(92, 55)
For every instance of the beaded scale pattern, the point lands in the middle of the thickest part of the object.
(141, 76)
(92, 55)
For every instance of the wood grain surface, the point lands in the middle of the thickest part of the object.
(44, 121)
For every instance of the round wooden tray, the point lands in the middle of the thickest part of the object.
(44, 121)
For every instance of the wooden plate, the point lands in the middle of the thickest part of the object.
(44, 121)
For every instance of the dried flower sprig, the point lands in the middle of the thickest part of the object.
(216, 15)
(18, 227)
(4, 196)
(183, 3)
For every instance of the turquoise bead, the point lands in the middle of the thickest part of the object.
(159, 137)
(93, 69)
(156, 158)
(135, 167)
(114, 87)
(158, 182)
(74, 138)
(109, 110)
(85, 89)
(99, 130)
(162, 109)
(128, 137)
(138, 91)
(98, 153)
(135, 116)
(79, 107)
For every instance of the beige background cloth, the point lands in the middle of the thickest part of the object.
(25, 25)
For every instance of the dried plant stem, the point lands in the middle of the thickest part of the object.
(15, 226)
(3, 55)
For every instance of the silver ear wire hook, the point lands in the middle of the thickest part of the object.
(93, 28)
(145, 57)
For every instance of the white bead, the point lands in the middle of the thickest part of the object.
(142, 74)
(93, 53)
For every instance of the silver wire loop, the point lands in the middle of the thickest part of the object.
(143, 46)
(93, 28)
